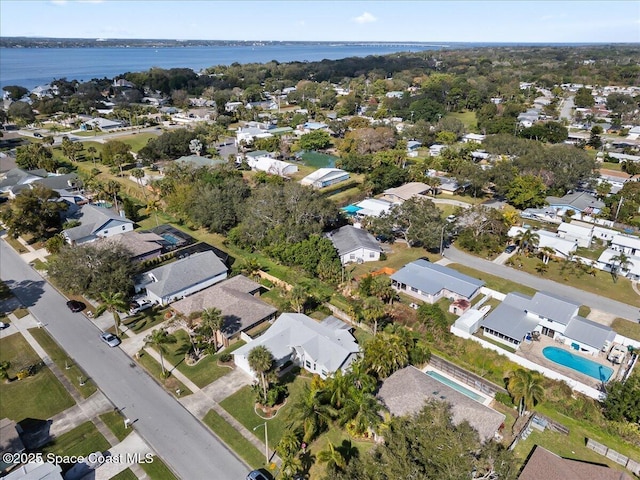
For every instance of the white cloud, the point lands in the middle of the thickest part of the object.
(366, 17)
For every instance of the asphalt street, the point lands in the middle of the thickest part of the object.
(186, 445)
(592, 300)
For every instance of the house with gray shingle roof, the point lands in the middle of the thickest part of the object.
(407, 391)
(238, 300)
(355, 245)
(430, 282)
(95, 223)
(182, 278)
(141, 245)
(19, 176)
(321, 348)
(579, 202)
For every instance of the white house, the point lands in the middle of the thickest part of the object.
(412, 148)
(563, 247)
(405, 192)
(608, 260)
(95, 223)
(580, 234)
(323, 177)
(436, 149)
(183, 277)
(355, 245)
(473, 137)
(628, 244)
(103, 124)
(272, 166)
(372, 207)
(319, 347)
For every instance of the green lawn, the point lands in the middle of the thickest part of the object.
(170, 383)
(336, 437)
(468, 118)
(627, 328)
(611, 166)
(125, 474)
(234, 440)
(137, 140)
(82, 440)
(241, 406)
(158, 470)
(62, 360)
(206, 370)
(400, 255)
(115, 422)
(15, 244)
(38, 397)
(495, 283)
(145, 320)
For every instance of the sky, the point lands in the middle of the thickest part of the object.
(541, 21)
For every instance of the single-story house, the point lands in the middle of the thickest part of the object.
(407, 391)
(412, 148)
(631, 270)
(372, 207)
(19, 176)
(52, 181)
(628, 244)
(355, 245)
(436, 149)
(547, 465)
(199, 161)
(579, 202)
(430, 282)
(103, 124)
(272, 166)
(323, 177)
(578, 233)
(96, 222)
(514, 320)
(319, 347)
(183, 277)
(405, 192)
(562, 247)
(473, 137)
(238, 300)
(142, 245)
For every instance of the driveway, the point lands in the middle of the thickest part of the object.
(187, 446)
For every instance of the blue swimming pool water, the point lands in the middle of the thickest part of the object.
(456, 386)
(351, 209)
(577, 363)
(171, 239)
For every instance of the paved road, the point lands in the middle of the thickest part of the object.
(183, 442)
(565, 110)
(592, 300)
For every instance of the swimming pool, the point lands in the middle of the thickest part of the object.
(456, 386)
(577, 363)
(351, 209)
(173, 240)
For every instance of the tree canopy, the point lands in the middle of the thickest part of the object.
(36, 211)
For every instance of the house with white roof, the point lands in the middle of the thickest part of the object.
(181, 278)
(405, 192)
(272, 166)
(412, 148)
(96, 222)
(627, 244)
(103, 124)
(319, 347)
(430, 282)
(563, 247)
(609, 261)
(372, 207)
(578, 233)
(514, 320)
(436, 149)
(323, 177)
(355, 245)
(473, 137)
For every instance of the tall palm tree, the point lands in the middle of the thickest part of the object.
(311, 412)
(373, 312)
(153, 205)
(526, 389)
(93, 151)
(332, 457)
(289, 444)
(298, 297)
(138, 174)
(112, 188)
(159, 339)
(339, 389)
(547, 253)
(384, 354)
(527, 240)
(113, 303)
(261, 361)
(619, 262)
(361, 409)
(211, 324)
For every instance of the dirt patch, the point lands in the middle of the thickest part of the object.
(601, 317)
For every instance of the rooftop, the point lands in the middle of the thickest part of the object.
(553, 307)
(349, 238)
(431, 278)
(510, 317)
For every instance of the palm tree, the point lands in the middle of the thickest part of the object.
(384, 354)
(4, 370)
(261, 361)
(311, 412)
(527, 240)
(332, 457)
(153, 205)
(526, 389)
(339, 388)
(251, 268)
(159, 339)
(542, 268)
(113, 303)
(289, 444)
(619, 262)
(211, 324)
(112, 188)
(547, 253)
(138, 174)
(373, 312)
(92, 151)
(362, 411)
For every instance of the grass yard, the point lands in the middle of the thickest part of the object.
(61, 359)
(82, 440)
(158, 470)
(21, 312)
(336, 437)
(496, 283)
(115, 422)
(125, 474)
(350, 195)
(15, 244)
(627, 328)
(468, 118)
(137, 140)
(144, 320)
(171, 384)
(234, 440)
(38, 397)
(241, 406)
(400, 255)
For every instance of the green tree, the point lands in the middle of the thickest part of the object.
(622, 402)
(4, 370)
(361, 412)
(373, 312)
(584, 98)
(159, 339)
(16, 92)
(619, 262)
(311, 412)
(35, 155)
(433, 318)
(526, 389)
(35, 211)
(384, 354)
(21, 113)
(527, 240)
(211, 323)
(261, 361)
(526, 191)
(113, 303)
(315, 140)
(332, 457)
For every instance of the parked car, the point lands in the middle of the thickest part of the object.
(139, 306)
(510, 249)
(110, 339)
(37, 135)
(256, 475)
(76, 306)
(451, 218)
(3, 325)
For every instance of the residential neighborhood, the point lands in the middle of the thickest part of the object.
(295, 271)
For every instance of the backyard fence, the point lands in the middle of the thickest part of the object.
(481, 384)
(628, 463)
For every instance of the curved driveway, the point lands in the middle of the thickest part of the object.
(185, 444)
(592, 300)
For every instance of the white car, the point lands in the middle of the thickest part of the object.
(138, 306)
(110, 339)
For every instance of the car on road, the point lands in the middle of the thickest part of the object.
(510, 249)
(110, 339)
(37, 135)
(451, 218)
(3, 325)
(76, 306)
(256, 475)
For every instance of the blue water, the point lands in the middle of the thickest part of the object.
(456, 386)
(30, 67)
(351, 209)
(577, 363)
(171, 239)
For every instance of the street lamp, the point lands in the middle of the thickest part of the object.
(266, 440)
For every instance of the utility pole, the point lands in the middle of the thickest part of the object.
(618, 209)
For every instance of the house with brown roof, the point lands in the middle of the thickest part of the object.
(238, 300)
(543, 464)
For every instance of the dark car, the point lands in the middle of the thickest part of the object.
(256, 475)
(510, 249)
(110, 339)
(75, 306)
(3, 325)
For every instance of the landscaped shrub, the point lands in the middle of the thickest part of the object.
(22, 374)
(504, 398)
(225, 357)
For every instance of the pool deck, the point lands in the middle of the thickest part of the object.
(533, 351)
(487, 400)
